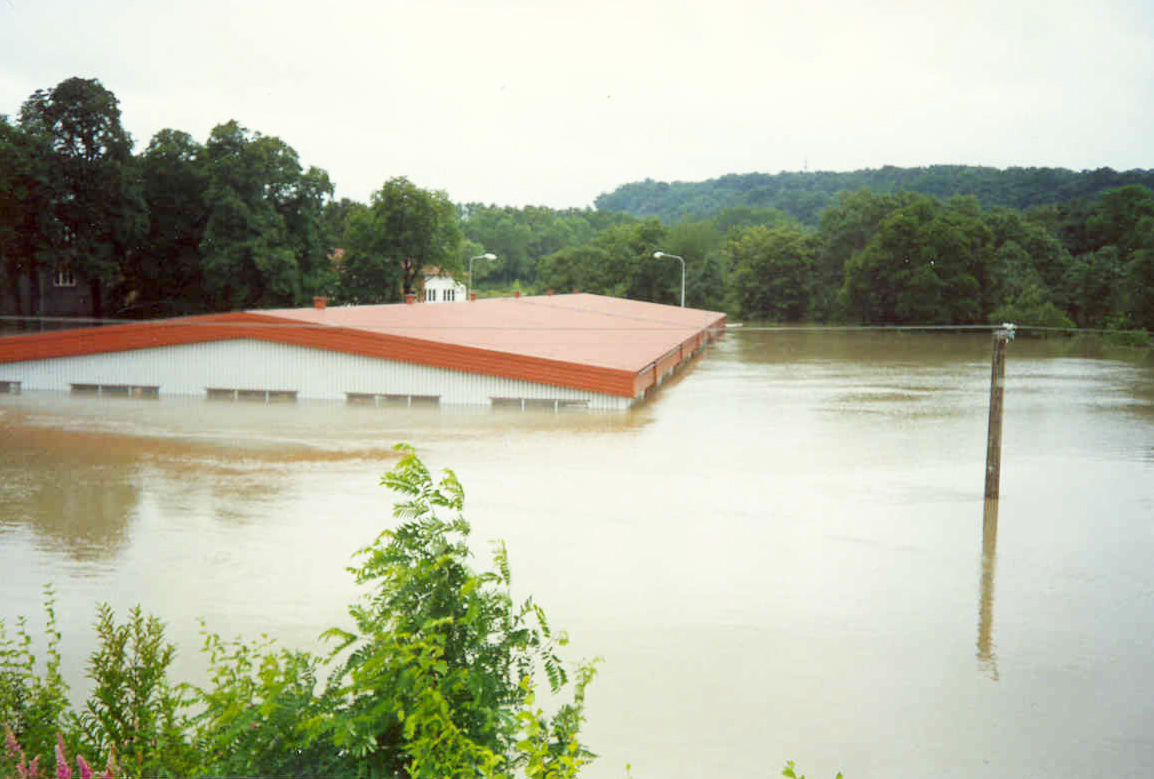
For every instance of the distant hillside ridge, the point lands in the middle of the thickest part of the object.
(804, 195)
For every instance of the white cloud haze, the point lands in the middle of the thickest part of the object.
(536, 102)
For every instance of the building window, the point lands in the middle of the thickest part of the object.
(64, 278)
(431, 296)
(449, 295)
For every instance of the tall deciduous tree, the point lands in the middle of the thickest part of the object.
(927, 264)
(100, 208)
(263, 242)
(404, 227)
(167, 276)
(26, 200)
(846, 227)
(771, 273)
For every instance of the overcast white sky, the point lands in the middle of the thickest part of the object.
(520, 102)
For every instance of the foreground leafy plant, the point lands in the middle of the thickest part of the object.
(252, 710)
(134, 711)
(32, 707)
(435, 678)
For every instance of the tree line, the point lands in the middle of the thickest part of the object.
(237, 222)
(186, 227)
(899, 258)
(804, 195)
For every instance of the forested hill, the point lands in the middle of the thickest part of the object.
(804, 195)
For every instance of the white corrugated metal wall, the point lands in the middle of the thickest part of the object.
(258, 365)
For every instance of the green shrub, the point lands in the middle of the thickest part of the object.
(134, 712)
(251, 717)
(434, 679)
(32, 707)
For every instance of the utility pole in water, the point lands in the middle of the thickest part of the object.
(994, 435)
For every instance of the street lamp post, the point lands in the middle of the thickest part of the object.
(659, 255)
(485, 256)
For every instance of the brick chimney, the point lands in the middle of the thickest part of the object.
(410, 298)
(319, 303)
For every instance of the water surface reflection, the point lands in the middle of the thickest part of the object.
(986, 653)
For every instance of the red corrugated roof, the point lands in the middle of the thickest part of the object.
(584, 341)
(588, 329)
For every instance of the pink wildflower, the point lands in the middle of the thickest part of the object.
(10, 745)
(110, 767)
(62, 769)
(83, 767)
(33, 770)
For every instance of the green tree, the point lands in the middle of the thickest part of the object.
(504, 232)
(846, 226)
(926, 264)
(302, 210)
(27, 195)
(1094, 285)
(1116, 216)
(99, 207)
(732, 220)
(406, 228)
(263, 243)
(166, 275)
(368, 273)
(770, 271)
(618, 261)
(586, 268)
(335, 217)
(1030, 254)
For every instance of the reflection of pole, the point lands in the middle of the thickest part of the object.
(994, 436)
(986, 598)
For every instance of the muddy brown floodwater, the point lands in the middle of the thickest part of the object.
(785, 555)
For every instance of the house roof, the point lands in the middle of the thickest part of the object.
(585, 341)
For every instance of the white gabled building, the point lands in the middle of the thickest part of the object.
(441, 288)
